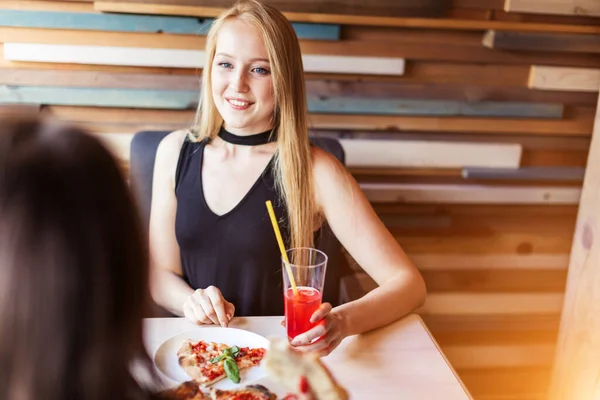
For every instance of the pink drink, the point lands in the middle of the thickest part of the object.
(299, 309)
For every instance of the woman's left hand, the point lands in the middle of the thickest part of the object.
(331, 330)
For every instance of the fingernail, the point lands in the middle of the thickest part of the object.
(228, 316)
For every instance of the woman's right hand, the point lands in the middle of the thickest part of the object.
(207, 306)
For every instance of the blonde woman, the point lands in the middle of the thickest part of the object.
(212, 246)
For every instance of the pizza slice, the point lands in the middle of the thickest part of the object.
(209, 362)
(250, 392)
(188, 390)
(303, 374)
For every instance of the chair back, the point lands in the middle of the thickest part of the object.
(141, 171)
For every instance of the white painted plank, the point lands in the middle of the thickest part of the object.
(104, 55)
(563, 78)
(469, 194)
(179, 58)
(560, 7)
(430, 154)
(353, 65)
(492, 303)
(118, 143)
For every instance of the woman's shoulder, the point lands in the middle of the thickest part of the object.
(325, 165)
(173, 141)
(170, 146)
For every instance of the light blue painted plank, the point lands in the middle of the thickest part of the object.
(181, 99)
(72, 96)
(434, 107)
(139, 23)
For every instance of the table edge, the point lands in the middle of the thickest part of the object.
(439, 349)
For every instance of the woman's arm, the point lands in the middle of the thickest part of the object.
(168, 288)
(359, 229)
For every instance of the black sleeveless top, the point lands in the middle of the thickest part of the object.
(237, 252)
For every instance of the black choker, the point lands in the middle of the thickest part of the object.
(250, 140)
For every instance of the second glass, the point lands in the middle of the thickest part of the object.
(308, 267)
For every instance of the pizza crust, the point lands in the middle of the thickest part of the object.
(289, 366)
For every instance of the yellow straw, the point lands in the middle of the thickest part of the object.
(281, 246)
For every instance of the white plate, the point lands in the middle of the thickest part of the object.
(165, 357)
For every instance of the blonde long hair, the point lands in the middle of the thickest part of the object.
(293, 161)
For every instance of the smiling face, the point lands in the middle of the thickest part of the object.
(242, 87)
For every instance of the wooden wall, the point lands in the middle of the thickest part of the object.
(466, 122)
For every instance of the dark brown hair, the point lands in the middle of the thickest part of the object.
(73, 268)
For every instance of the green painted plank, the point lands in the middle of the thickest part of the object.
(186, 99)
(139, 23)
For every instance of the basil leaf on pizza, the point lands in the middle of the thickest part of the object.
(231, 369)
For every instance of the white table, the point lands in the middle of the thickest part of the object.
(399, 361)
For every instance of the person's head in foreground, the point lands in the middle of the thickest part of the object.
(73, 267)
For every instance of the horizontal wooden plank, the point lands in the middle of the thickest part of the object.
(99, 79)
(16, 110)
(45, 5)
(470, 194)
(186, 99)
(515, 383)
(479, 4)
(382, 173)
(477, 262)
(439, 23)
(496, 242)
(516, 356)
(334, 86)
(429, 8)
(347, 48)
(576, 125)
(443, 90)
(528, 142)
(574, 160)
(568, 126)
(433, 107)
(139, 23)
(120, 116)
(526, 173)
(496, 281)
(541, 42)
(556, 78)
(506, 281)
(104, 55)
(400, 153)
(509, 323)
(119, 144)
(566, 7)
(496, 337)
(492, 304)
(99, 97)
(7, 64)
(182, 58)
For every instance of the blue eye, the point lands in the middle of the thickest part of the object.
(261, 71)
(225, 65)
